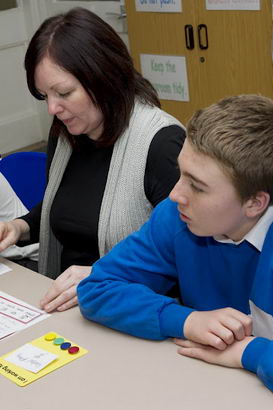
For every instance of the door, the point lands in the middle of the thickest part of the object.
(19, 118)
(237, 59)
(163, 34)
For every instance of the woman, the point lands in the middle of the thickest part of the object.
(111, 152)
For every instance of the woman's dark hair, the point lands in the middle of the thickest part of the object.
(88, 48)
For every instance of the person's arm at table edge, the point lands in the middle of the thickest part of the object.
(126, 289)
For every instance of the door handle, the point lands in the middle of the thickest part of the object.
(121, 15)
(203, 36)
(189, 36)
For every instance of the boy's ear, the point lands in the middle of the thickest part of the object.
(258, 204)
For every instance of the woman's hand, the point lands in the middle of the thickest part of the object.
(62, 295)
(12, 231)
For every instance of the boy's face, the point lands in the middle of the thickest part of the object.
(207, 200)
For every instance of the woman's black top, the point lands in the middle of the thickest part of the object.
(75, 209)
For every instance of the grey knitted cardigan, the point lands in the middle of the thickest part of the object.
(124, 186)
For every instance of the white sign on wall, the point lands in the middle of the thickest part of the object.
(233, 4)
(168, 74)
(161, 6)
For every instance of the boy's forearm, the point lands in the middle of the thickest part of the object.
(254, 352)
(258, 358)
(147, 314)
(172, 319)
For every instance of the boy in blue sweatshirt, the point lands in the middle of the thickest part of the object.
(213, 237)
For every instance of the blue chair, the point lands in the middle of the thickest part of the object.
(26, 173)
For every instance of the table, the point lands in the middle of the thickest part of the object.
(119, 372)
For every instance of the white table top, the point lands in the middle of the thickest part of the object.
(119, 372)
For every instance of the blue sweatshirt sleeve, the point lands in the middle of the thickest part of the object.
(126, 290)
(258, 358)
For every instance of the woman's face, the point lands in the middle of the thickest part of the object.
(67, 99)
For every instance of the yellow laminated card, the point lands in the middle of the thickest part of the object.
(38, 358)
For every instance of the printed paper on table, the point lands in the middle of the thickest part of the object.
(17, 315)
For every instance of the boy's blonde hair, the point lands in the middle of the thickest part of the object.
(238, 133)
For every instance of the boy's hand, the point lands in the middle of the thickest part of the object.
(230, 357)
(217, 328)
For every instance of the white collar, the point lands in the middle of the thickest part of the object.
(257, 234)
